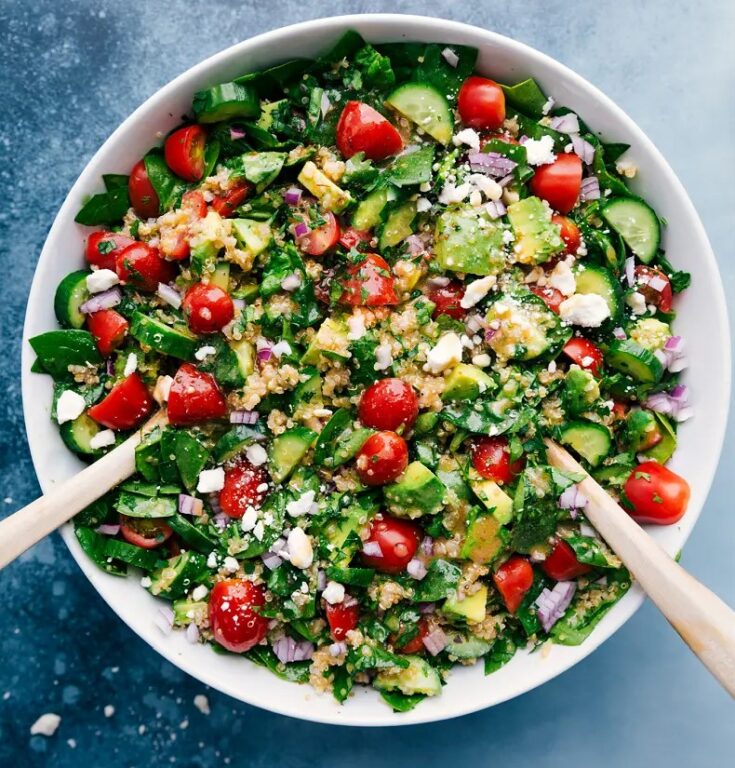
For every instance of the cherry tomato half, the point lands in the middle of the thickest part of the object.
(108, 328)
(244, 487)
(447, 299)
(382, 459)
(226, 203)
(142, 267)
(562, 563)
(585, 354)
(491, 459)
(207, 308)
(342, 617)
(103, 247)
(569, 232)
(142, 193)
(370, 283)
(416, 643)
(559, 182)
(125, 406)
(655, 286)
(390, 404)
(176, 246)
(363, 129)
(550, 296)
(319, 240)
(233, 615)
(481, 103)
(143, 532)
(657, 495)
(194, 397)
(398, 541)
(184, 152)
(513, 579)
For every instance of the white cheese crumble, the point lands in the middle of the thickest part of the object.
(585, 309)
(131, 364)
(101, 280)
(356, 327)
(256, 455)
(204, 352)
(540, 151)
(454, 194)
(201, 702)
(548, 106)
(69, 406)
(249, 519)
(469, 137)
(423, 204)
(637, 302)
(145, 582)
(281, 349)
(482, 360)
(46, 725)
(446, 354)
(489, 187)
(301, 506)
(334, 593)
(259, 530)
(102, 439)
(477, 290)
(162, 388)
(562, 278)
(199, 592)
(508, 236)
(230, 565)
(211, 480)
(450, 57)
(300, 551)
(212, 560)
(383, 357)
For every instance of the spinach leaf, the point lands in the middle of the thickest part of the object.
(93, 545)
(359, 172)
(480, 417)
(535, 517)
(434, 68)
(374, 657)
(503, 650)
(342, 682)
(375, 68)
(527, 97)
(296, 672)
(223, 364)
(104, 208)
(363, 360)
(412, 168)
(402, 702)
(270, 82)
(680, 280)
(281, 263)
(191, 458)
(526, 612)
(592, 551)
(440, 582)
(169, 187)
(339, 441)
(259, 168)
(612, 151)
(115, 181)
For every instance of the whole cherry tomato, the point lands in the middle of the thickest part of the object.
(108, 328)
(207, 308)
(657, 495)
(491, 459)
(550, 296)
(513, 579)
(184, 152)
(194, 397)
(390, 404)
(363, 129)
(559, 182)
(125, 406)
(342, 617)
(655, 286)
(245, 486)
(569, 232)
(585, 354)
(142, 193)
(143, 532)
(481, 103)
(397, 540)
(142, 267)
(370, 283)
(233, 614)
(562, 563)
(103, 247)
(447, 299)
(382, 459)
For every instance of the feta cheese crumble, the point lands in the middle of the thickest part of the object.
(587, 310)
(637, 302)
(211, 480)
(469, 137)
(383, 357)
(131, 364)
(101, 280)
(256, 455)
(162, 389)
(446, 354)
(300, 550)
(102, 439)
(334, 593)
(540, 151)
(301, 506)
(204, 352)
(356, 327)
(477, 290)
(69, 406)
(562, 278)
(249, 519)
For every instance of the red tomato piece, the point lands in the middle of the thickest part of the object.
(655, 286)
(194, 397)
(551, 297)
(144, 533)
(390, 404)
(370, 283)
(491, 459)
(382, 459)
(125, 406)
(142, 267)
(481, 103)
(513, 579)
(353, 238)
(585, 354)
(569, 232)
(184, 152)
(416, 643)
(142, 193)
(103, 247)
(226, 203)
(233, 614)
(558, 183)
(176, 247)
(319, 240)
(207, 308)
(562, 563)
(363, 129)
(243, 488)
(398, 541)
(447, 299)
(656, 494)
(342, 617)
(108, 328)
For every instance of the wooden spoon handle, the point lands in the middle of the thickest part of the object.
(29, 525)
(705, 623)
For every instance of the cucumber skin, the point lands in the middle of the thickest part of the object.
(68, 293)
(580, 428)
(169, 341)
(411, 92)
(224, 101)
(648, 256)
(69, 432)
(621, 351)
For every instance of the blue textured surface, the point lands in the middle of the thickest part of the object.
(71, 72)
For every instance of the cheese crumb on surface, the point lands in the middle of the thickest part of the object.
(301, 506)
(562, 278)
(199, 592)
(356, 326)
(334, 593)
(69, 406)
(300, 550)
(540, 151)
(422, 204)
(454, 194)
(383, 357)
(201, 702)
(249, 519)
(211, 480)
(587, 310)
(131, 364)
(637, 302)
(101, 280)
(446, 354)
(46, 725)
(230, 564)
(203, 352)
(477, 290)
(256, 455)
(102, 439)
(162, 389)
(469, 137)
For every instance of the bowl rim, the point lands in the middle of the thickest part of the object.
(87, 180)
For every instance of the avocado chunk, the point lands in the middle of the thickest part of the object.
(484, 539)
(253, 236)
(537, 237)
(492, 496)
(331, 197)
(287, 450)
(468, 241)
(466, 382)
(207, 243)
(418, 492)
(471, 608)
(581, 390)
(398, 226)
(418, 677)
(469, 647)
(331, 341)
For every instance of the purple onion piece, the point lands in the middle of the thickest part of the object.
(236, 133)
(552, 603)
(244, 417)
(301, 229)
(372, 549)
(104, 300)
(337, 649)
(590, 189)
(426, 608)
(293, 195)
(107, 529)
(190, 505)
(436, 641)
(416, 569)
(169, 294)
(321, 580)
(427, 546)
(271, 560)
(164, 620)
(192, 633)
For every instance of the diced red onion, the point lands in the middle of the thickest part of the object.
(236, 133)
(104, 300)
(506, 180)
(552, 603)
(301, 229)
(436, 641)
(192, 633)
(426, 608)
(491, 163)
(321, 580)
(164, 620)
(674, 404)
(107, 529)
(349, 601)
(325, 105)
(288, 650)
(415, 244)
(583, 149)
(427, 546)
(680, 392)
(573, 498)
(568, 123)
(293, 195)
(244, 417)
(673, 354)
(450, 57)
(239, 304)
(489, 333)
(416, 569)
(337, 649)
(190, 505)
(278, 545)
(264, 349)
(271, 560)
(657, 283)
(590, 189)
(372, 549)
(630, 271)
(495, 209)
(619, 333)
(169, 294)
(221, 520)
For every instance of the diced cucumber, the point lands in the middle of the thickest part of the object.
(470, 647)
(77, 434)
(426, 107)
(134, 505)
(221, 276)
(398, 225)
(418, 677)
(57, 350)
(245, 354)
(174, 579)
(590, 440)
(636, 222)
(287, 451)
(234, 442)
(633, 360)
(178, 342)
(190, 611)
(225, 101)
(591, 278)
(70, 295)
(148, 456)
(254, 236)
(368, 212)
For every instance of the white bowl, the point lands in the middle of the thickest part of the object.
(702, 320)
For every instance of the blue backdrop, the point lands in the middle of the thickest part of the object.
(72, 70)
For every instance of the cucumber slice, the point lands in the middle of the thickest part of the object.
(663, 451)
(78, 434)
(594, 279)
(194, 535)
(468, 647)
(221, 276)
(70, 295)
(367, 214)
(147, 507)
(180, 572)
(234, 442)
(424, 105)
(287, 450)
(633, 360)
(590, 440)
(191, 458)
(398, 226)
(637, 223)
(225, 101)
(177, 342)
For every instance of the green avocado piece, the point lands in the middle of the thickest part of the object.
(471, 608)
(468, 241)
(466, 382)
(484, 539)
(492, 496)
(418, 492)
(537, 238)
(581, 390)
(418, 677)
(331, 341)
(287, 450)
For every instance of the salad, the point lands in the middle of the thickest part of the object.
(365, 288)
